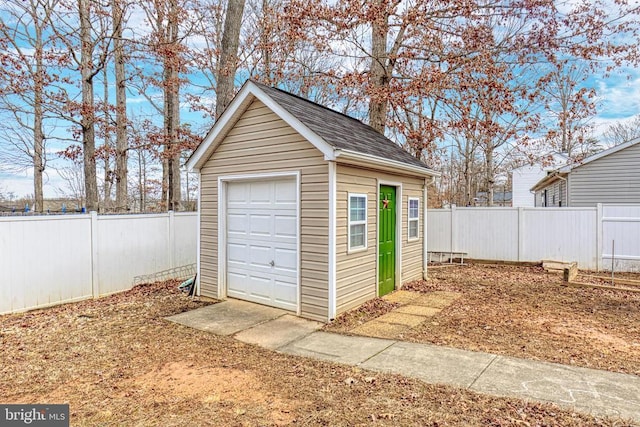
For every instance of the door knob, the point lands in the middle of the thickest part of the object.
(272, 263)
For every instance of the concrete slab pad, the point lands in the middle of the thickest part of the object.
(278, 332)
(337, 348)
(401, 297)
(433, 364)
(437, 299)
(401, 319)
(227, 317)
(418, 310)
(377, 329)
(594, 391)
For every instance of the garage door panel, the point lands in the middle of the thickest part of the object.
(236, 253)
(237, 224)
(237, 282)
(237, 193)
(259, 286)
(260, 256)
(260, 193)
(285, 292)
(260, 225)
(286, 259)
(285, 226)
(285, 193)
(262, 229)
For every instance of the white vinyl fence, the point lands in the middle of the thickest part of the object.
(585, 235)
(48, 260)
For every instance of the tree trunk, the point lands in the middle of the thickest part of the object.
(171, 87)
(229, 55)
(265, 36)
(108, 173)
(379, 80)
(38, 134)
(490, 180)
(122, 195)
(88, 113)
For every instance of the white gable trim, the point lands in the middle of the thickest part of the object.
(243, 99)
(332, 285)
(220, 128)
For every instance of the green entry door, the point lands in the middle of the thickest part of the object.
(387, 240)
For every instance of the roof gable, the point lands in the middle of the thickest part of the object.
(333, 133)
(339, 130)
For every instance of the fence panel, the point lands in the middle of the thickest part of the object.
(560, 234)
(185, 238)
(130, 246)
(621, 237)
(48, 260)
(487, 233)
(439, 230)
(44, 261)
(517, 234)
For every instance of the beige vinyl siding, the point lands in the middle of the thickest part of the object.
(610, 179)
(412, 258)
(261, 142)
(356, 280)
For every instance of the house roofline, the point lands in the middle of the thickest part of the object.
(607, 152)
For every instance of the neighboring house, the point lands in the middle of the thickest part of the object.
(304, 208)
(501, 198)
(526, 176)
(611, 176)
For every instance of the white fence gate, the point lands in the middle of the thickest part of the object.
(48, 260)
(621, 237)
(584, 235)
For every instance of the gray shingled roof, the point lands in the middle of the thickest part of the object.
(339, 130)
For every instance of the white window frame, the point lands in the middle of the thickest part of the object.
(351, 249)
(410, 219)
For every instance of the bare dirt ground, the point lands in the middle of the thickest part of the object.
(524, 312)
(117, 362)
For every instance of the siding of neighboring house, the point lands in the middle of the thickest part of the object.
(614, 178)
(556, 195)
(262, 142)
(553, 195)
(523, 178)
(356, 280)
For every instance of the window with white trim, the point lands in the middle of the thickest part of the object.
(357, 221)
(413, 223)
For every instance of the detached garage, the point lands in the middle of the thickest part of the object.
(304, 208)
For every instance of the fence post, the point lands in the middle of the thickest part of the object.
(599, 227)
(95, 289)
(520, 233)
(454, 235)
(172, 239)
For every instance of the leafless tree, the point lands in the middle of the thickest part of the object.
(24, 26)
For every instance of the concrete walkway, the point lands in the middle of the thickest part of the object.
(586, 390)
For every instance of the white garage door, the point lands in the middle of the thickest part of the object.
(262, 242)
